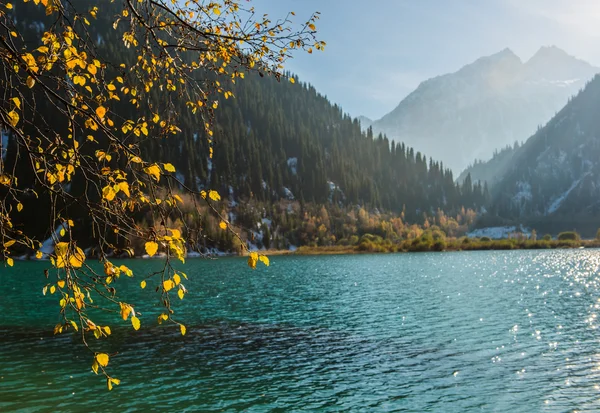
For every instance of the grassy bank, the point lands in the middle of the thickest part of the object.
(460, 244)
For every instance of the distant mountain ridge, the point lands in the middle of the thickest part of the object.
(486, 105)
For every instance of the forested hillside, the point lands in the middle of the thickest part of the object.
(276, 143)
(553, 180)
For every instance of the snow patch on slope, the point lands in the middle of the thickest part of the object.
(497, 232)
(523, 191)
(288, 194)
(292, 163)
(561, 198)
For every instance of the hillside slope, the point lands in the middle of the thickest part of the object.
(553, 180)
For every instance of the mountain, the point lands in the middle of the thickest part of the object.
(486, 105)
(552, 182)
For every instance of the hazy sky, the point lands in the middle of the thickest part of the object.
(378, 51)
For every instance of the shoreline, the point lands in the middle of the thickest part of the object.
(450, 246)
(406, 246)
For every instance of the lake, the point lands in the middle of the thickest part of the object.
(446, 332)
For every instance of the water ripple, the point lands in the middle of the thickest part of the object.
(479, 331)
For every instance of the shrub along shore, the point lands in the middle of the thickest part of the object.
(374, 244)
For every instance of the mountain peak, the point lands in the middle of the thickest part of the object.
(506, 52)
(502, 55)
(505, 60)
(553, 63)
(550, 53)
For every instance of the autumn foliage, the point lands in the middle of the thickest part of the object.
(101, 113)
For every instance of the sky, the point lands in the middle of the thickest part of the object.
(378, 51)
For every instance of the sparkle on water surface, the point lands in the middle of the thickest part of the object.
(450, 332)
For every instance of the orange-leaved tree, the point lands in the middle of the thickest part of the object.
(85, 84)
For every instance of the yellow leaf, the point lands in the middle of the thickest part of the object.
(100, 111)
(92, 69)
(10, 262)
(13, 118)
(177, 279)
(60, 249)
(252, 260)
(9, 244)
(292, 80)
(30, 82)
(180, 294)
(74, 324)
(124, 186)
(52, 289)
(168, 285)
(156, 118)
(223, 225)
(214, 195)
(17, 102)
(95, 366)
(107, 330)
(168, 167)
(154, 171)
(135, 322)
(77, 258)
(151, 248)
(264, 259)
(312, 27)
(111, 381)
(39, 255)
(61, 283)
(108, 193)
(182, 329)
(127, 271)
(143, 284)
(62, 232)
(79, 80)
(9, 6)
(216, 11)
(19, 207)
(102, 359)
(125, 310)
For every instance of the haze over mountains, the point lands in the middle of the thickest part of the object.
(486, 105)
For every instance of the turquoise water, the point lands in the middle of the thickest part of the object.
(446, 332)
